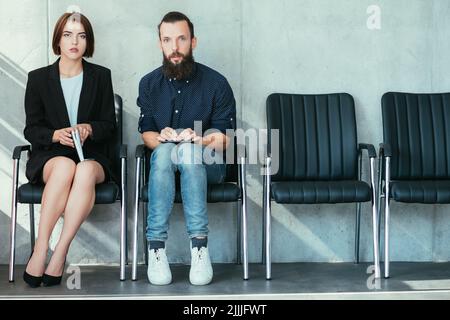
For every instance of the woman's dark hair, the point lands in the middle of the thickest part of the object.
(59, 28)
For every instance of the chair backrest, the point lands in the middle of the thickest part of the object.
(317, 136)
(116, 142)
(417, 126)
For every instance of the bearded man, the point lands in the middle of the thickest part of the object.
(186, 108)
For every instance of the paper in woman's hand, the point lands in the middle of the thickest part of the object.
(77, 142)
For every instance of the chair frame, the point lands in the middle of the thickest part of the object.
(242, 234)
(122, 198)
(384, 187)
(267, 215)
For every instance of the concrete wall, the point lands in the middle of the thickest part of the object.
(307, 46)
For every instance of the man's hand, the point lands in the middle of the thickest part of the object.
(167, 134)
(188, 135)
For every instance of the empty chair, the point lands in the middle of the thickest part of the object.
(414, 156)
(317, 160)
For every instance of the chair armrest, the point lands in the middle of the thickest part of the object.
(123, 151)
(385, 150)
(370, 149)
(140, 151)
(18, 151)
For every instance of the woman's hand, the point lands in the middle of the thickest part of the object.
(85, 131)
(64, 137)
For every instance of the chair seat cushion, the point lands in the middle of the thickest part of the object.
(225, 192)
(421, 191)
(342, 191)
(105, 193)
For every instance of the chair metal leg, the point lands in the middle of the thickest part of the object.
(263, 231)
(32, 227)
(144, 229)
(135, 218)
(376, 249)
(268, 223)
(358, 216)
(244, 218)
(380, 195)
(12, 235)
(386, 216)
(357, 231)
(239, 233)
(123, 221)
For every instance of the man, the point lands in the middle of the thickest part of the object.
(171, 99)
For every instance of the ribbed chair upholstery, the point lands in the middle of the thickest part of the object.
(105, 193)
(233, 189)
(415, 155)
(317, 159)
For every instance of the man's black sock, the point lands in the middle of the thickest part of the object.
(199, 242)
(155, 245)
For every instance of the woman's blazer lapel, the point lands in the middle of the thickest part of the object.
(86, 96)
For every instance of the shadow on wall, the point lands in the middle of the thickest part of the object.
(313, 233)
(100, 229)
(98, 239)
(23, 240)
(12, 115)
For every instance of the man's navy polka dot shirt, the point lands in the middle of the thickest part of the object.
(204, 96)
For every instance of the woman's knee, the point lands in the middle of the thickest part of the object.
(89, 172)
(61, 168)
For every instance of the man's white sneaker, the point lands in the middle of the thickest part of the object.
(158, 270)
(201, 272)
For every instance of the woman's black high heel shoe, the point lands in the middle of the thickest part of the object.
(50, 281)
(32, 281)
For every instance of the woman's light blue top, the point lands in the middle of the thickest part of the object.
(72, 90)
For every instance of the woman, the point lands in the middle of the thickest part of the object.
(70, 94)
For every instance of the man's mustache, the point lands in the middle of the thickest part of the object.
(176, 55)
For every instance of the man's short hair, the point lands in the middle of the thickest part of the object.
(173, 17)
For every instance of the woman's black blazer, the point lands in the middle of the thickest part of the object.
(46, 111)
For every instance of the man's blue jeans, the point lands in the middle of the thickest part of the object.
(197, 170)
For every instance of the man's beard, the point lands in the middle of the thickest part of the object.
(181, 70)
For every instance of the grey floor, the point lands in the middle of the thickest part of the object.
(290, 281)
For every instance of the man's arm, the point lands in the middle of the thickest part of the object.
(217, 141)
(150, 139)
(153, 139)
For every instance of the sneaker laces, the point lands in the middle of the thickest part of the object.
(157, 255)
(200, 254)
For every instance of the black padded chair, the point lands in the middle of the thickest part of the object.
(105, 193)
(233, 189)
(317, 160)
(414, 158)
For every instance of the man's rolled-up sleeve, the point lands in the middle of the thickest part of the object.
(146, 120)
(224, 112)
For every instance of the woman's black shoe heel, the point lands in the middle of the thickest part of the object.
(32, 281)
(50, 281)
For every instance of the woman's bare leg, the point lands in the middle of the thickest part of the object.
(79, 206)
(58, 175)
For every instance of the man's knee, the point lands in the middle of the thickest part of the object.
(189, 154)
(163, 155)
